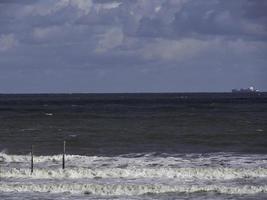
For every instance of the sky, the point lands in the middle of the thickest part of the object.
(95, 46)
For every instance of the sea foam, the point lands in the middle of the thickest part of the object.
(128, 189)
(132, 172)
(135, 174)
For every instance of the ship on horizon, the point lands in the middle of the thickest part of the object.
(251, 89)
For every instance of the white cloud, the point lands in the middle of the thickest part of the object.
(242, 47)
(41, 9)
(7, 42)
(109, 40)
(254, 29)
(49, 7)
(157, 9)
(84, 6)
(193, 49)
(173, 49)
(43, 33)
(110, 5)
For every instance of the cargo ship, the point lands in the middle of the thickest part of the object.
(251, 89)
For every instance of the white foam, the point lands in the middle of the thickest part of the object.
(135, 174)
(132, 172)
(129, 189)
(186, 160)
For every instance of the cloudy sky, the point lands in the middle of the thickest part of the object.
(132, 45)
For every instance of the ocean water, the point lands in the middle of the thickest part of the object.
(134, 146)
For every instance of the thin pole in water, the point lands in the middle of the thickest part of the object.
(63, 157)
(32, 159)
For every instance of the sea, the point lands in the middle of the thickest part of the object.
(133, 146)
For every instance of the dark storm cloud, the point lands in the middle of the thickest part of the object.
(186, 39)
(17, 1)
(209, 18)
(255, 9)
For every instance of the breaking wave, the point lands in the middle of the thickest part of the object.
(171, 173)
(128, 189)
(135, 174)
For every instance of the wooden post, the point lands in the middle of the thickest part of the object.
(63, 157)
(32, 160)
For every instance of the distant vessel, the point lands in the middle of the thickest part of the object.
(251, 89)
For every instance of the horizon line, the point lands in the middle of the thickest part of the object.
(70, 93)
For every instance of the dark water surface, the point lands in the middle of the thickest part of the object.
(134, 146)
(115, 124)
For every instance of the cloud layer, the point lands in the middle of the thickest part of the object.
(132, 45)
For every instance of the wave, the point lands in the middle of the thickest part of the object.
(187, 160)
(129, 189)
(191, 166)
(132, 172)
(135, 174)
